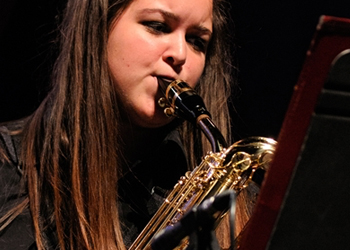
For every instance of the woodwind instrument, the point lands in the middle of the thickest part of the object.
(221, 169)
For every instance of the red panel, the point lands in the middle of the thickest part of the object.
(332, 37)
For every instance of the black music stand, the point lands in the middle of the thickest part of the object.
(304, 202)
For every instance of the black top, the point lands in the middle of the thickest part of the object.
(142, 189)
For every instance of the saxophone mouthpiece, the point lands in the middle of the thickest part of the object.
(164, 83)
(182, 99)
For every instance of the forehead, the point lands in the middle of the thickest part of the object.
(195, 10)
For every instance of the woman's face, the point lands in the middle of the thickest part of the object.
(157, 38)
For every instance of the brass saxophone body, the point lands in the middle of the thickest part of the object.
(224, 168)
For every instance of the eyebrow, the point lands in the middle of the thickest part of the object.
(174, 17)
(163, 12)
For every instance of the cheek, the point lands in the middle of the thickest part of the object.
(195, 69)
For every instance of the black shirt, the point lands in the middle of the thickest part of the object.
(142, 189)
(19, 234)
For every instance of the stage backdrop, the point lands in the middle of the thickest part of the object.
(271, 43)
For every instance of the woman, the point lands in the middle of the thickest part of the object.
(86, 163)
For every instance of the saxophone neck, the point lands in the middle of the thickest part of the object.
(212, 133)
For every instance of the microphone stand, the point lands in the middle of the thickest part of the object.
(199, 224)
(203, 239)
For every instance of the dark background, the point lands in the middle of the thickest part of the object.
(272, 38)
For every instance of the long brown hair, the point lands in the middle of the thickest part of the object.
(215, 84)
(70, 147)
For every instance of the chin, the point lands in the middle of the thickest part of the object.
(155, 120)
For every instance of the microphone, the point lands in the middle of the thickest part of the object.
(202, 216)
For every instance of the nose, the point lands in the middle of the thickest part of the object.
(176, 53)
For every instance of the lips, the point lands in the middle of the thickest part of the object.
(166, 77)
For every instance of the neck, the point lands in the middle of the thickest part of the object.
(138, 142)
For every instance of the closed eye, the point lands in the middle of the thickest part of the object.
(157, 27)
(198, 43)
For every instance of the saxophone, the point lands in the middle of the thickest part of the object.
(224, 168)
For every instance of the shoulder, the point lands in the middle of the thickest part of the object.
(10, 171)
(10, 140)
(18, 234)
